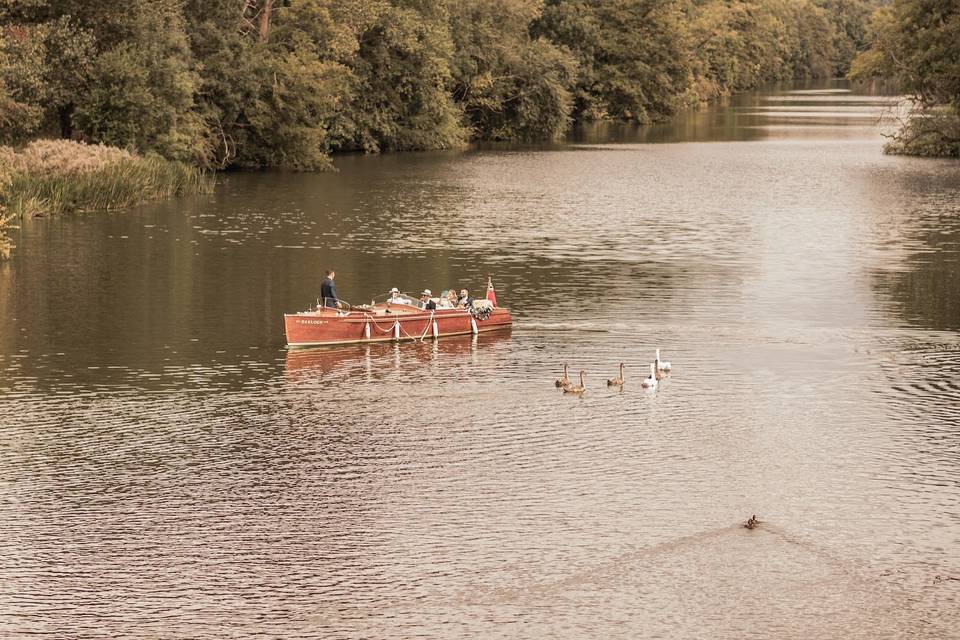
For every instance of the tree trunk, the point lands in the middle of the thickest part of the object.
(66, 121)
(265, 13)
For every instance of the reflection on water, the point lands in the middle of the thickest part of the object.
(171, 470)
(825, 114)
(369, 362)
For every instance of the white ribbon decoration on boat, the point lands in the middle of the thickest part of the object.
(397, 328)
(370, 319)
(427, 328)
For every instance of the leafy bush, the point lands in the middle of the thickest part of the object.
(929, 133)
(916, 43)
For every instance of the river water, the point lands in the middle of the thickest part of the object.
(170, 470)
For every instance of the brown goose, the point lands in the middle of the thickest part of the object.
(616, 382)
(564, 381)
(573, 388)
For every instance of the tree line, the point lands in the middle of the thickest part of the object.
(258, 83)
(916, 43)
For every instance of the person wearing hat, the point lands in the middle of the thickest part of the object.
(396, 298)
(426, 302)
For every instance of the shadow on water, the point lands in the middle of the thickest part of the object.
(931, 268)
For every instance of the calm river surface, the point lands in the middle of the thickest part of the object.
(169, 470)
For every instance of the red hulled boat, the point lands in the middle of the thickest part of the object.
(392, 320)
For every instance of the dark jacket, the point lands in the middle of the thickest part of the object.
(328, 292)
(430, 305)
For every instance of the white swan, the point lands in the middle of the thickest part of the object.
(660, 364)
(649, 383)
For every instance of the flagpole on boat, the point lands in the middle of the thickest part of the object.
(491, 292)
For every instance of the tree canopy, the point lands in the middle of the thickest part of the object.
(917, 44)
(249, 83)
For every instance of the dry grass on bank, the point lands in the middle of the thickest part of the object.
(49, 177)
(6, 244)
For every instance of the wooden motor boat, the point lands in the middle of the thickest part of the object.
(386, 321)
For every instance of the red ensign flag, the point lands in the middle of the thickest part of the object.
(491, 293)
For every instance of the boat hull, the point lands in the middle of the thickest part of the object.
(329, 327)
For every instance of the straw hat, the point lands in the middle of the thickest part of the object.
(427, 292)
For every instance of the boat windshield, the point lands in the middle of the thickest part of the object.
(402, 298)
(409, 300)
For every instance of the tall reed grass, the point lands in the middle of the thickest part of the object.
(6, 244)
(50, 177)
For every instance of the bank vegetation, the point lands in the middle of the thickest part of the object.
(255, 83)
(917, 44)
(64, 176)
(217, 84)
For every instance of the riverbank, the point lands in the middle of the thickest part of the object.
(51, 177)
(6, 244)
(928, 134)
(309, 80)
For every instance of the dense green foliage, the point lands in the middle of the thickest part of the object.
(917, 43)
(224, 83)
(739, 45)
(509, 85)
(631, 59)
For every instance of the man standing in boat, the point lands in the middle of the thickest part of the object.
(328, 290)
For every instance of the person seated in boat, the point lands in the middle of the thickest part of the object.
(397, 298)
(451, 298)
(465, 300)
(426, 301)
